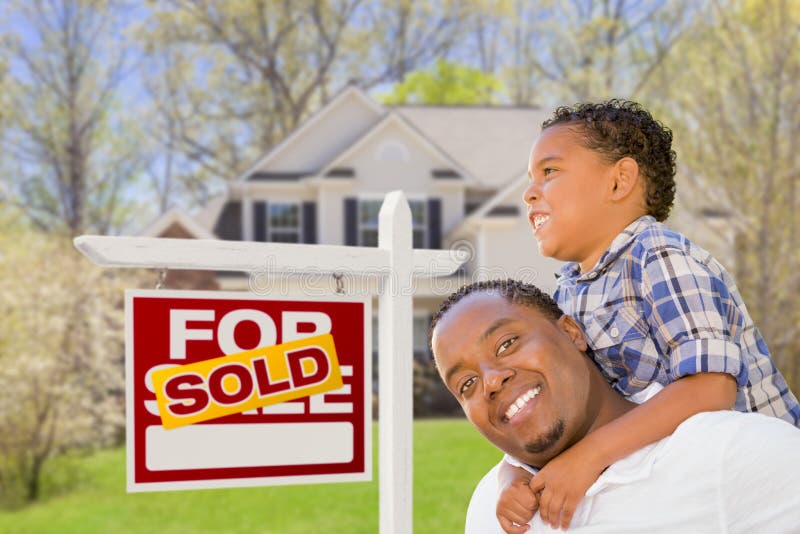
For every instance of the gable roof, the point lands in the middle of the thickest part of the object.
(176, 216)
(395, 118)
(491, 143)
(349, 92)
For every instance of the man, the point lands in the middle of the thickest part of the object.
(518, 368)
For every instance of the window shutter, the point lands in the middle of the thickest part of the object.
(434, 223)
(260, 221)
(351, 221)
(309, 222)
(229, 224)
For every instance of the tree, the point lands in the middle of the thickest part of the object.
(60, 355)
(229, 80)
(70, 156)
(563, 52)
(446, 83)
(735, 107)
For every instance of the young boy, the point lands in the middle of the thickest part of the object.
(654, 306)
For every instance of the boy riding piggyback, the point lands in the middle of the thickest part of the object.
(655, 307)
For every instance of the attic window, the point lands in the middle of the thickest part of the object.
(340, 172)
(392, 151)
(446, 174)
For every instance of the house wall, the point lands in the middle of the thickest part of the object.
(509, 250)
(391, 159)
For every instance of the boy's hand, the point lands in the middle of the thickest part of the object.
(562, 483)
(516, 506)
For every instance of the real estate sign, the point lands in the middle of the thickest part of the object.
(232, 389)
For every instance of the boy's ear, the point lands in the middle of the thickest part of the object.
(626, 176)
(573, 330)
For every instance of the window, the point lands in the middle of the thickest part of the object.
(368, 222)
(283, 223)
(420, 337)
(419, 222)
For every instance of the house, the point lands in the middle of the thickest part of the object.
(463, 169)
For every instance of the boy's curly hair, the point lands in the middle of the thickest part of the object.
(513, 291)
(621, 128)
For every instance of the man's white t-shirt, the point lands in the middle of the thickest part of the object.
(718, 472)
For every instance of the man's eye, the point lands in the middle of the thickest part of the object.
(506, 344)
(466, 385)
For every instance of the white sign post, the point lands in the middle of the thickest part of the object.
(396, 263)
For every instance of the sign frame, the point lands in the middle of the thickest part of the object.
(295, 296)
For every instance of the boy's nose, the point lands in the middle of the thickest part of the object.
(532, 193)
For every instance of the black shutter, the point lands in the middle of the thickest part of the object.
(351, 221)
(310, 222)
(260, 221)
(229, 224)
(434, 223)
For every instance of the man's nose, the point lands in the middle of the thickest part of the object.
(494, 379)
(532, 193)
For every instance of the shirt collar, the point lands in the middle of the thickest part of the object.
(620, 243)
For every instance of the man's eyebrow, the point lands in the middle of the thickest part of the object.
(450, 372)
(493, 327)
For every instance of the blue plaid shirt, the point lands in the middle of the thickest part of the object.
(656, 307)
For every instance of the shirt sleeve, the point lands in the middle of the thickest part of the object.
(692, 315)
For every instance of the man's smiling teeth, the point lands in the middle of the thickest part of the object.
(539, 220)
(521, 401)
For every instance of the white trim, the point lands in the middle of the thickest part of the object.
(175, 216)
(295, 134)
(393, 117)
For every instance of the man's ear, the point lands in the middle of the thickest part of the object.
(573, 330)
(626, 176)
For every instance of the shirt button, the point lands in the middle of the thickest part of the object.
(592, 275)
(614, 331)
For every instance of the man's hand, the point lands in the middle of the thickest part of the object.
(516, 506)
(562, 483)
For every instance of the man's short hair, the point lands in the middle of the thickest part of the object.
(513, 291)
(621, 128)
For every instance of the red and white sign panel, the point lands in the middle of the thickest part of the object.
(322, 438)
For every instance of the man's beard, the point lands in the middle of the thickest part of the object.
(540, 445)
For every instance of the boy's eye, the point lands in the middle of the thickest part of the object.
(466, 385)
(506, 344)
(548, 170)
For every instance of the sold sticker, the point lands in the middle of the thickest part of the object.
(188, 394)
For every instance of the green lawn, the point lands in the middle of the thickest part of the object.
(449, 458)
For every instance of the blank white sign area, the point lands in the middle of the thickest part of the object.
(248, 445)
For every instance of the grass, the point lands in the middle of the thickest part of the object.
(449, 458)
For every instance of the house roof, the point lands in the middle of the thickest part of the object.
(176, 216)
(491, 143)
(349, 92)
